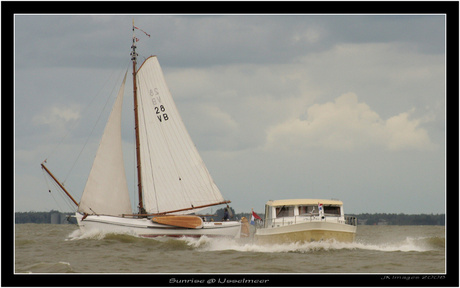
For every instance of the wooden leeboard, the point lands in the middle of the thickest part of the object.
(185, 221)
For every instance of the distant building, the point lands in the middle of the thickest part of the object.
(382, 222)
(55, 218)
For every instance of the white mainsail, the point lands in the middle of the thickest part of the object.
(106, 191)
(173, 174)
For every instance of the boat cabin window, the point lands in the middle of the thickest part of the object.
(308, 210)
(284, 211)
(332, 210)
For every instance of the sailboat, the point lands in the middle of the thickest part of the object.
(173, 181)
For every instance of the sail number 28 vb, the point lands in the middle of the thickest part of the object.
(160, 109)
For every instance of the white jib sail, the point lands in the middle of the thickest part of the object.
(173, 174)
(106, 191)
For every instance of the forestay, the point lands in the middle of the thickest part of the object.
(106, 191)
(173, 174)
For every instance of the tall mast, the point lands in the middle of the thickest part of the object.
(136, 124)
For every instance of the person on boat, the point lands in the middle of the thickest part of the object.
(225, 214)
(230, 213)
(244, 228)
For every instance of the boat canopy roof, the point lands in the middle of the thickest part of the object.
(296, 202)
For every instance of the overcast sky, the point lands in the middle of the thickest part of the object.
(350, 107)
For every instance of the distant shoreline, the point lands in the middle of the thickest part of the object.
(56, 217)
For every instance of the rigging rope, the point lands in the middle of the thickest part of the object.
(76, 122)
(94, 126)
(66, 199)
(73, 126)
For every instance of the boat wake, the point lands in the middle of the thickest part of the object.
(422, 244)
(99, 235)
(417, 244)
(206, 244)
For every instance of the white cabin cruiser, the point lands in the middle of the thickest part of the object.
(306, 220)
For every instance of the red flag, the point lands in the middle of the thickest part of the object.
(254, 215)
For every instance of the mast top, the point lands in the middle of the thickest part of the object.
(133, 47)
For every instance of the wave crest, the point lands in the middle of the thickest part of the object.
(409, 244)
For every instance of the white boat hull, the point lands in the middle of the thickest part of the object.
(144, 227)
(307, 232)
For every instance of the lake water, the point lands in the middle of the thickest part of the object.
(383, 250)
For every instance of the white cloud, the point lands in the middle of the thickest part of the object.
(403, 133)
(230, 107)
(347, 124)
(56, 116)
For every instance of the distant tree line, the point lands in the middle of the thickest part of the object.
(57, 217)
(400, 219)
(52, 216)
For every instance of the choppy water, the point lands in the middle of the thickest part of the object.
(46, 248)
